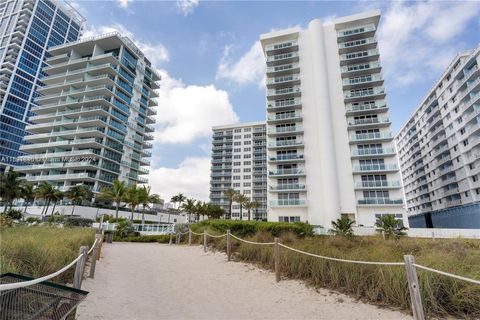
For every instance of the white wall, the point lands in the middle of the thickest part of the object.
(92, 213)
(426, 233)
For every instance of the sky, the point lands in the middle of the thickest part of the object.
(212, 66)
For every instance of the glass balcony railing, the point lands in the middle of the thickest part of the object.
(359, 55)
(375, 167)
(365, 107)
(289, 186)
(283, 91)
(287, 157)
(285, 116)
(282, 45)
(282, 57)
(283, 172)
(373, 151)
(368, 121)
(296, 128)
(285, 143)
(371, 136)
(284, 103)
(364, 93)
(287, 202)
(283, 68)
(380, 201)
(356, 30)
(378, 184)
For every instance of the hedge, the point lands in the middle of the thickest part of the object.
(163, 238)
(248, 228)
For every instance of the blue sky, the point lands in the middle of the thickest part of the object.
(212, 65)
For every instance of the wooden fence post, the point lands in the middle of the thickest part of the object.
(79, 267)
(414, 288)
(277, 260)
(93, 260)
(204, 241)
(229, 244)
(100, 244)
(189, 237)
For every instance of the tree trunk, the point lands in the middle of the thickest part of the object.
(143, 217)
(47, 206)
(230, 212)
(54, 205)
(241, 214)
(116, 210)
(73, 210)
(43, 209)
(25, 210)
(248, 214)
(6, 207)
(131, 215)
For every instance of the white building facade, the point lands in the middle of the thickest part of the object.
(94, 118)
(239, 162)
(439, 150)
(330, 149)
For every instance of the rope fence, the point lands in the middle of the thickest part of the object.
(409, 264)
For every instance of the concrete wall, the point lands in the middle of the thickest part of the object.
(426, 232)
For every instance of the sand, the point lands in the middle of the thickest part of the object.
(153, 281)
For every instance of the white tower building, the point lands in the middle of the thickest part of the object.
(329, 141)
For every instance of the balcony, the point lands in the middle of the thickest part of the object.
(57, 165)
(387, 167)
(288, 203)
(373, 136)
(285, 144)
(285, 130)
(360, 94)
(287, 158)
(366, 109)
(284, 46)
(294, 103)
(288, 186)
(374, 79)
(379, 201)
(361, 69)
(369, 122)
(293, 91)
(355, 45)
(70, 176)
(359, 56)
(282, 58)
(373, 152)
(282, 117)
(352, 33)
(378, 184)
(287, 172)
(288, 68)
(290, 79)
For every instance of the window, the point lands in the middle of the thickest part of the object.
(289, 219)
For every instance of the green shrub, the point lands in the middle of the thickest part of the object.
(5, 221)
(33, 220)
(124, 229)
(247, 228)
(15, 214)
(55, 219)
(78, 222)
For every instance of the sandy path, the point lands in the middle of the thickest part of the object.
(153, 281)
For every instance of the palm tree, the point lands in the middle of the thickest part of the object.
(56, 196)
(343, 227)
(189, 207)
(251, 205)
(230, 194)
(241, 199)
(114, 193)
(145, 198)
(10, 188)
(132, 198)
(200, 209)
(45, 191)
(391, 226)
(78, 194)
(213, 211)
(179, 198)
(28, 194)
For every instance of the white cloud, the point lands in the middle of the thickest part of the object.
(191, 177)
(186, 7)
(250, 68)
(156, 53)
(123, 3)
(188, 112)
(419, 39)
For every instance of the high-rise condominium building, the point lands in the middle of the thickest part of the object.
(27, 29)
(94, 115)
(239, 162)
(330, 147)
(439, 150)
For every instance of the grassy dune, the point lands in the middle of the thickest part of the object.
(38, 251)
(381, 285)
